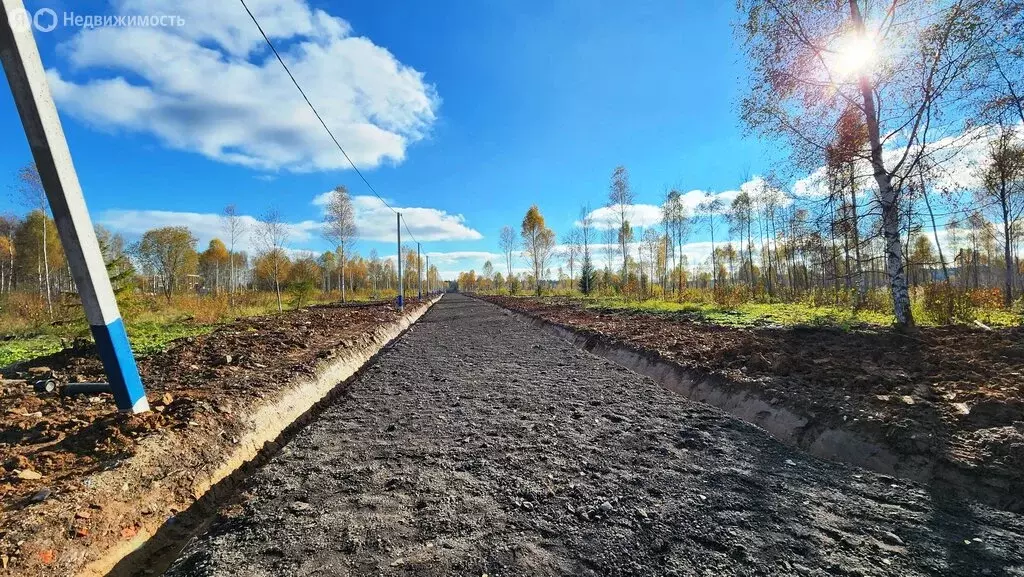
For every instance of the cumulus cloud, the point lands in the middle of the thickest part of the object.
(954, 163)
(205, 226)
(375, 221)
(212, 87)
(646, 215)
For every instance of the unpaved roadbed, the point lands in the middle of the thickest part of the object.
(478, 444)
(947, 404)
(105, 481)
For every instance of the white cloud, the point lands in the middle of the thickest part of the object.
(375, 221)
(646, 215)
(205, 227)
(954, 164)
(212, 87)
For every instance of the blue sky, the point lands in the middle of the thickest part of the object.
(473, 110)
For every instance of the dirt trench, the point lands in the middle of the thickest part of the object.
(480, 445)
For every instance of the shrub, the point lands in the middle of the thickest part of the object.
(945, 304)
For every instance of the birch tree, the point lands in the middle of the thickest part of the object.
(898, 64)
(235, 227)
(33, 195)
(676, 220)
(271, 236)
(340, 228)
(620, 202)
(538, 243)
(508, 243)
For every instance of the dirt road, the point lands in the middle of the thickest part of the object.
(479, 445)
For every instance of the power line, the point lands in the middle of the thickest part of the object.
(313, 108)
(411, 235)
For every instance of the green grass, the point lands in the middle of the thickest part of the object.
(22, 348)
(751, 314)
(784, 314)
(146, 338)
(151, 325)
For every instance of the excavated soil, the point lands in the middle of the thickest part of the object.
(953, 396)
(480, 445)
(202, 387)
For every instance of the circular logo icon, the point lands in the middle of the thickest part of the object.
(20, 20)
(45, 19)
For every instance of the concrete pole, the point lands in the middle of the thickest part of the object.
(25, 74)
(419, 270)
(401, 281)
(428, 274)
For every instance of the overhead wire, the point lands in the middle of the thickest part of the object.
(320, 118)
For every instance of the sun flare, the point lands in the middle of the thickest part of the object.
(853, 54)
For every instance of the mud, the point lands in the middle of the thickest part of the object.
(480, 445)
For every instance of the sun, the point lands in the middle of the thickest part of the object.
(853, 54)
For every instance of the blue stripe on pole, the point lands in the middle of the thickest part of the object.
(119, 362)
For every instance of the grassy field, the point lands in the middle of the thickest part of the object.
(785, 314)
(152, 323)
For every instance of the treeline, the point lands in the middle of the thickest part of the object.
(908, 117)
(764, 245)
(166, 261)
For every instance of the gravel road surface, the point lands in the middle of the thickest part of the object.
(480, 445)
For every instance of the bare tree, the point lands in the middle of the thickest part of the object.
(235, 227)
(676, 219)
(620, 201)
(572, 250)
(33, 195)
(508, 243)
(651, 241)
(706, 211)
(340, 228)
(271, 235)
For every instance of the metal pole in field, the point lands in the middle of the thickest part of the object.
(419, 271)
(27, 78)
(401, 281)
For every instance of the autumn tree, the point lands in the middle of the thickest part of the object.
(115, 257)
(340, 228)
(488, 272)
(6, 262)
(302, 279)
(538, 243)
(895, 63)
(212, 259)
(170, 252)
(271, 235)
(1003, 187)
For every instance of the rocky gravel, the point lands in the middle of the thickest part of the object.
(478, 445)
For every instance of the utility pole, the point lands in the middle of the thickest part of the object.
(419, 270)
(428, 274)
(401, 281)
(27, 78)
